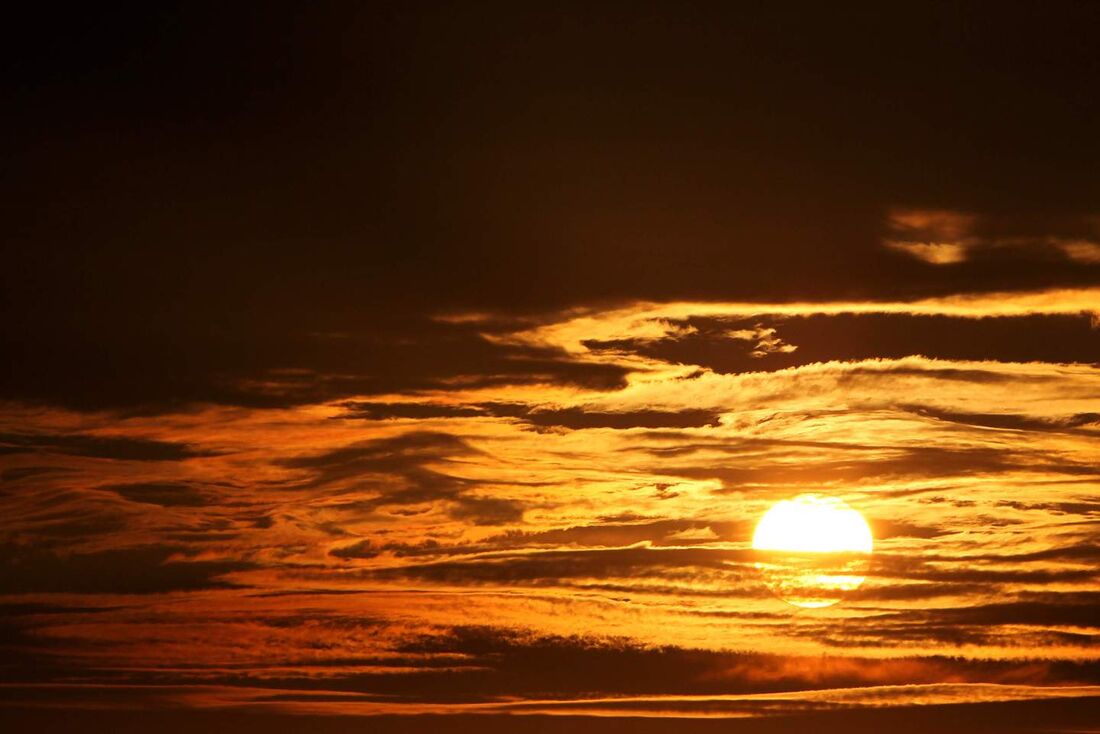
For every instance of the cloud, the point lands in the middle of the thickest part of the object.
(406, 453)
(646, 320)
(879, 464)
(121, 448)
(396, 470)
(415, 411)
(572, 418)
(21, 473)
(853, 337)
(1035, 613)
(1028, 621)
(148, 570)
(579, 418)
(486, 510)
(1084, 251)
(1059, 508)
(883, 529)
(550, 567)
(935, 253)
(936, 236)
(151, 374)
(165, 494)
(602, 535)
(949, 709)
(1012, 421)
(971, 570)
(611, 534)
(948, 237)
(434, 306)
(449, 352)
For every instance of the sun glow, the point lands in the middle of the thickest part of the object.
(812, 549)
(812, 523)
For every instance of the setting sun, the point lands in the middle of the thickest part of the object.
(812, 523)
(812, 549)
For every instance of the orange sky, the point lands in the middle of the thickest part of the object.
(445, 547)
(428, 366)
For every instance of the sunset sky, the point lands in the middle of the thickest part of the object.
(425, 367)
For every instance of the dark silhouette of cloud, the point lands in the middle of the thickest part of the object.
(149, 373)
(926, 569)
(420, 411)
(1061, 508)
(571, 418)
(853, 337)
(577, 418)
(1011, 717)
(99, 447)
(19, 473)
(165, 494)
(1011, 421)
(409, 190)
(916, 461)
(486, 510)
(396, 469)
(147, 570)
(604, 535)
(550, 567)
(883, 529)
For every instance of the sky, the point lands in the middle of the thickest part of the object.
(428, 367)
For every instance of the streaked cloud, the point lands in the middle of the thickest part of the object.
(948, 237)
(595, 471)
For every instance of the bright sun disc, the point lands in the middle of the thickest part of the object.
(812, 549)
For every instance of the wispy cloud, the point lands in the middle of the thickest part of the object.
(597, 471)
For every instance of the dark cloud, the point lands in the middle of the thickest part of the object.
(371, 549)
(400, 454)
(553, 566)
(615, 535)
(518, 664)
(1079, 552)
(19, 473)
(1011, 421)
(146, 570)
(515, 663)
(52, 527)
(417, 411)
(1028, 621)
(630, 717)
(824, 338)
(1044, 614)
(578, 418)
(165, 494)
(917, 591)
(911, 568)
(421, 162)
(571, 418)
(395, 468)
(954, 374)
(37, 609)
(100, 447)
(1059, 508)
(914, 461)
(883, 529)
(487, 510)
(611, 534)
(261, 368)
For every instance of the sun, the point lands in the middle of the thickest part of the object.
(812, 523)
(812, 549)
